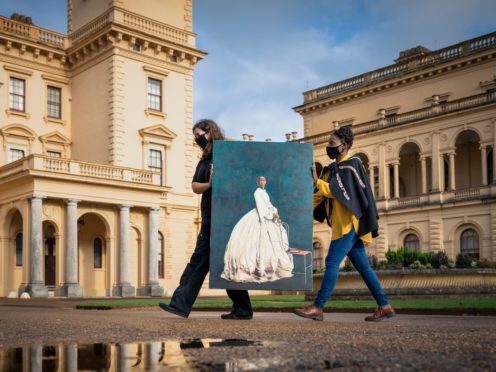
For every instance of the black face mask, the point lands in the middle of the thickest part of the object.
(333, 151)
(202, 141)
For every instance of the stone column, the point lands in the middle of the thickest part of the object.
(436, 163)
(452, 178)
(71, 358)
(494, 152)
(484, 164)
(152, 287)
(387, 182)
(382, 171)
(36, 286)
(35, 359)
(71, 286)
(423, 170)
(372, 180)
(123, 287)
(396, 180)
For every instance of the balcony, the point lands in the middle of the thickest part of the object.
(448, 197)
(58, 168)
(433, 111)
(36, 34)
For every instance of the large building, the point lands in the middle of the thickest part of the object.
(425, 129)
(97, 153)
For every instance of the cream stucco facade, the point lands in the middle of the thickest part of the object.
(425, 129)
(97, 153)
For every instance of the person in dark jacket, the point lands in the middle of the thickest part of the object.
(345, 199)
(205, 132)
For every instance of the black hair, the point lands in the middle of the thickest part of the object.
(345, 134)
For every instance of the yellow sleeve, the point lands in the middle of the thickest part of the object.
(324, 188)
(317, 198)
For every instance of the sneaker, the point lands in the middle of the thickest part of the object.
(310, 312)
(232, 316)
(172, 310)
(380, 313)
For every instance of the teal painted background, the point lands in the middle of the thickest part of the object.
(289, 185)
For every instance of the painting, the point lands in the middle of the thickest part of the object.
(261, 234)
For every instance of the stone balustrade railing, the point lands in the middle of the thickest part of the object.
(79, 168)
(396, 70)
(410, 116)
(37, 34)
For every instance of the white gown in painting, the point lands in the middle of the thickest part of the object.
(258, 249)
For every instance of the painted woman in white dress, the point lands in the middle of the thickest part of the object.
(258, 249)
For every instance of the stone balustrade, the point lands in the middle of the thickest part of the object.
(396, 70)
(79, 168)
(410, 116)
(35, 33)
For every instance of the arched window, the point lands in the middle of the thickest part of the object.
(411, 241)
(97, 253)
(317, 256)
(469, 243)
(160, 256)
(18, 241)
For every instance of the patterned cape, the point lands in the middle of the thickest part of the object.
(350, 185)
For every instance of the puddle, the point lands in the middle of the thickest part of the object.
(146, 356)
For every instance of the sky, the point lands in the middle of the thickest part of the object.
(263, 54)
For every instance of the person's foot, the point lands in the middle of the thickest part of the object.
(172, 310)
(232, 316)
(380, 313)
(310, 312)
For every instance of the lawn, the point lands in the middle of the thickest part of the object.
(291, 302)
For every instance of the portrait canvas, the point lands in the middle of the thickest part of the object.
(261, 234)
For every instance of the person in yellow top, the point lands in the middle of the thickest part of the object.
(345, 199)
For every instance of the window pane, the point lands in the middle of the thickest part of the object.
(412, 242)
(54, 154)
(154, 94)
(16, 94)
(469, 243)
(15, 154)
(160, 256)
(54, 102)
(19, 249)
(97, 253)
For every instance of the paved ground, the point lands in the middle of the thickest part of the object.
(283, 341)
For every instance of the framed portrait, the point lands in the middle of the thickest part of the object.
(261, 233)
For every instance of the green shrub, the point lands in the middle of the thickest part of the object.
(440, 260)
(348, 266)
(416, 265)
(463, 261)
(404, 257)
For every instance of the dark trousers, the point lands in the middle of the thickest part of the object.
(193, 277)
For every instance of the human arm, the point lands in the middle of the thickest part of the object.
(201, 187)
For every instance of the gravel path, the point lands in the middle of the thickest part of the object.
(407, 342)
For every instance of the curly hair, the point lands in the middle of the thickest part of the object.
(216, 133)
(345, 134)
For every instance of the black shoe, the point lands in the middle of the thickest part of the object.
(232, 316)
(172, 310)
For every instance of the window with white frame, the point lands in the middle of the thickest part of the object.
(54, 154)
(155, 162)
(154, 94)
(15, 154)
(160, 256)
(17, 94)
(54, 99)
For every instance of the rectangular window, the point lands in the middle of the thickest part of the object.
(15, 154)
(154, 94)
(54, 154)
(155, 162)
(160, 256)
(54, 100)
(19, 249)
(17, 94)
(97, 253)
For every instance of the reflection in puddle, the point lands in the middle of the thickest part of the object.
(160, 355)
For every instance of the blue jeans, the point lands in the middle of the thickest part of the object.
(352, 246)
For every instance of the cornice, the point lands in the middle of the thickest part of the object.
(411, 77)
(38, 66)
(21, 47)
